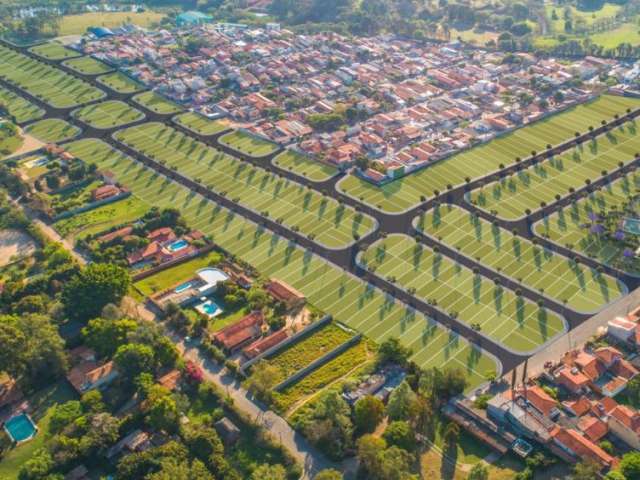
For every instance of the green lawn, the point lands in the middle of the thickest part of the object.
(570, 226)
(305, 166)
(120, 83)
(607, 10)
(402, 194)
(200, 124)
(87, 66)
(20, 108)
(157, 103)
(503, 316)
(584, 289)
(10, 141)
(43, 403)
(109, 114)
(52, 130)
(320, 218)
(49, 84)
(248, 144)
(346, 298)
(78, 24)
(54, 51)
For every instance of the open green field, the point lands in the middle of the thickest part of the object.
(248, 144)
(402, 194)
(52, 130)
(78, 24)
(87, 66)
(109, 114)
(157, 103)
(510, 197)
(120, 83)
(570, 226)
(589, 17)
(348, 299)
(10, 139)
(49, 84)
(583, 289)
(21, 109)
(200, 124)
(304, 166)
(54, 51)
(319, 217)
(503, 315)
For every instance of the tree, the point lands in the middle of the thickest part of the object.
(269, 472)
(205, 444)
(133, 359)
(329, 474)
(162, 411)
(585, 470)
(173, 469)
(630, 466)
(87, 293)
(106, 336)
(382, 463)
(633, 391)
(392, 351)
(614, 475)
(478, 472)
(403, 403)
(37, 467)
(328, 425)
(368, 413)
(263, 378)
(400, 434)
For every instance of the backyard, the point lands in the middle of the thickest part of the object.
(87, 66)
(120, 83)
(304, 166)
(156, 103)
(52, 130)
(200, 124)
(248, 144)
(109, 114)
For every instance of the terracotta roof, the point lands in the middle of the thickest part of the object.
(109, 237)
(282, 291)
(572, 379)
(88, 373)
(593, 428)
(608, 355)
(540, 399)
(260, 346)
(580, 406)
(241, 331)
(590, 365)
(162, 234)
(581, 446)
(603, 407)
(628, 417)
(171, 379)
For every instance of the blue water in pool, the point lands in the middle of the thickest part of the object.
(20, 428)
(178, 245)
(183, 287)
(210, 308)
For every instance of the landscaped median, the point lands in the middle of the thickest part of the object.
(109, 114)
(301, 209)
(248, 144)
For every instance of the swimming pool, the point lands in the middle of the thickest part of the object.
(20, 428)
(178, 245)
(183, 287)
(209, 308)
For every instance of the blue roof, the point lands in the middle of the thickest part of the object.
(192, 17)
(101, 32)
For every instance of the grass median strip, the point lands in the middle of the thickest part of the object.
(109, 114)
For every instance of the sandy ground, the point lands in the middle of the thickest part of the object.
(29, 144)
(14, 243)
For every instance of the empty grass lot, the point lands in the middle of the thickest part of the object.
(584, 289)
(248, 144)
(570, 226)
(49, 84)
(120, 83)
(54, 51)
(290, 203)
(78, 24)
(200, 124)
(87, 66)
(304, 166)
(109, 114)
(402, 194)
(347, 298)
(21, 109)
(510, 197)
(503, 316)
(52, 130)
(157, 103)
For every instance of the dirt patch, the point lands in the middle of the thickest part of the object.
(29, 144)
(14, 244)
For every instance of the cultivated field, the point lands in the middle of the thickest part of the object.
(295, 206)
(87, 66)
(406, 192)
(109, 114)
(19, 108)
(52, 130)
(120, 83)
(49, 84)
(346, 298)
(54, 51)
(304, 166)
(500, 313)
(546, 182)
(200, 124)
(558, 277)
(156, 103)
(248, 144)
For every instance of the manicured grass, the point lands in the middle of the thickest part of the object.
(102, 218)
(10, 141)
(52, 130)
(570, 226)
(109, 114)
(584, 289)
(546, 182)
(406, 192)
(157, 103)
(120, 83)
(88, 66)
(625, 33)
(304, 166)
(589, 17)
(78, 24)
(200, 124)
(54, 51)
(295, 206)
(248, 144)
(345, 297)
(502, 315)
(21, 109)
(49, 84)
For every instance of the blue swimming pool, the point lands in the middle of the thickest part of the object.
(178, 245)
(183, 287)
(20, 428)
(209, 308)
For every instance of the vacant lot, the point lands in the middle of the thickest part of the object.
(248, 144)
(109, 114)
(78, 24)
(200, 124)
(52, 130)
(19, 108)
(54, 51)
(14, 244)
(88, 66)
(120, 83)
(157, 103)
(304, 166)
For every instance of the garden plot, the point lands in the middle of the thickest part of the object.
(200, 124)
(54, 51)
(21, 109)
(156, 103)
(87, 66)
(248, 144)
(52, 130)
(109, 114)
(120, 83)
(304, 166)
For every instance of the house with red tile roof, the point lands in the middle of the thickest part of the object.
(592, 427)
(91, 375)
(285, 293)
(580, 447)
(624, 423)
(577, 407)
(241, 333)
(541, 401)
(262, 345)
(573, 380)
(104, 192)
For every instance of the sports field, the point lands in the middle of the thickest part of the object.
(583, 289)
(248, 144)
(287, 202)
(512, 196)
(406, 192)
(87, 66)
(20, 108)
(304, 166)
(52, 130)
(345, 297)
(500, 313)
(120, 83)
(200, 124)
(157, 103)
(49, 84)
(54, 51)
(571, 226)
(109, 114)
